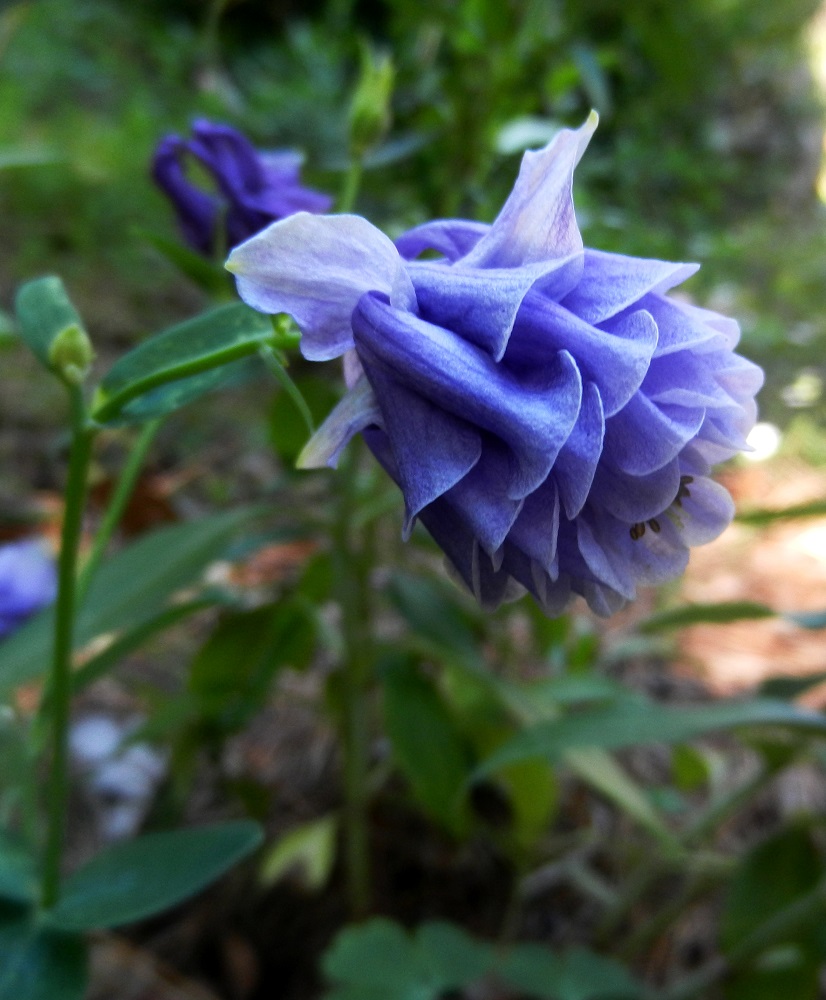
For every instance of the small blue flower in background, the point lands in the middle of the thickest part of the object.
(28, 582)
(550, 415)
(252, 190)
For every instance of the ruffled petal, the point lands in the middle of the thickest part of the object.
(533, 417)
(643, 436)
(577, 462)
(537, 222)
(451, 237)
(480, 304)
(316, 268)
(481, 500)
(612, 282)
(616, 362)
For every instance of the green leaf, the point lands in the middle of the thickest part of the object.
(142, 877)
(769, 878)
(44, 312)
(18, 870)
(599, 770)
(571, 975)
(128, 589)
(632, 723)
(309, 848)
(715, 614)
(788, 973)
(98, 665)
(379, 960)
(432, 611)
(790, 687)
(378, 956)
(190, 350)
(426, 743)
(231, 674)
(212, 278)
(287, 426)
(814, 508)
(37, 962)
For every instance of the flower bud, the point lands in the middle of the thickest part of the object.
(370, 115)
(71, 354)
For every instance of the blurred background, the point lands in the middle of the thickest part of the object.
(710, 149)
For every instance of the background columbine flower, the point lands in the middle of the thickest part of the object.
(548, 413)
(28, 582)
(253, 188)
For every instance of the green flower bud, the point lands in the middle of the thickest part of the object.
(71, 354)
(370, 115)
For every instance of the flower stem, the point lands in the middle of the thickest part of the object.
(117, 505)
(352, 183)
(60, 680)
(352, 567)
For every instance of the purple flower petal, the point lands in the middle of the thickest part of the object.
(537, 222)
(612, 283)
(28, 582)
(453, 238)
(316, 268)
(549, 415)
(252, 189)
(533, 418)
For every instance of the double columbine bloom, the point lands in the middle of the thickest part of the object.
(252, 188)
(550, 415)
(28, 582)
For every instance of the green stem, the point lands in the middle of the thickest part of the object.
(352, 183)
(352, 566)
(117, 505)
(60, 681)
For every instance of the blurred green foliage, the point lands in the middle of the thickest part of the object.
(708, 146)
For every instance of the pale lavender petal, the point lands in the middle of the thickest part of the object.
(636, 498)
(537, 222)
(28, 582)
(356, 410)
(316, 268)
(705, 513)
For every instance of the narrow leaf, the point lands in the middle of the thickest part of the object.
(715, 614)
(767, 515)
(599, 770)
(633, 723)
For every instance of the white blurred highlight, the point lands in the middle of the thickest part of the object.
(764, 439)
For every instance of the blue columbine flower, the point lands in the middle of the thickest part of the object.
(550, 415)
(28, 582)
(253, 188)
